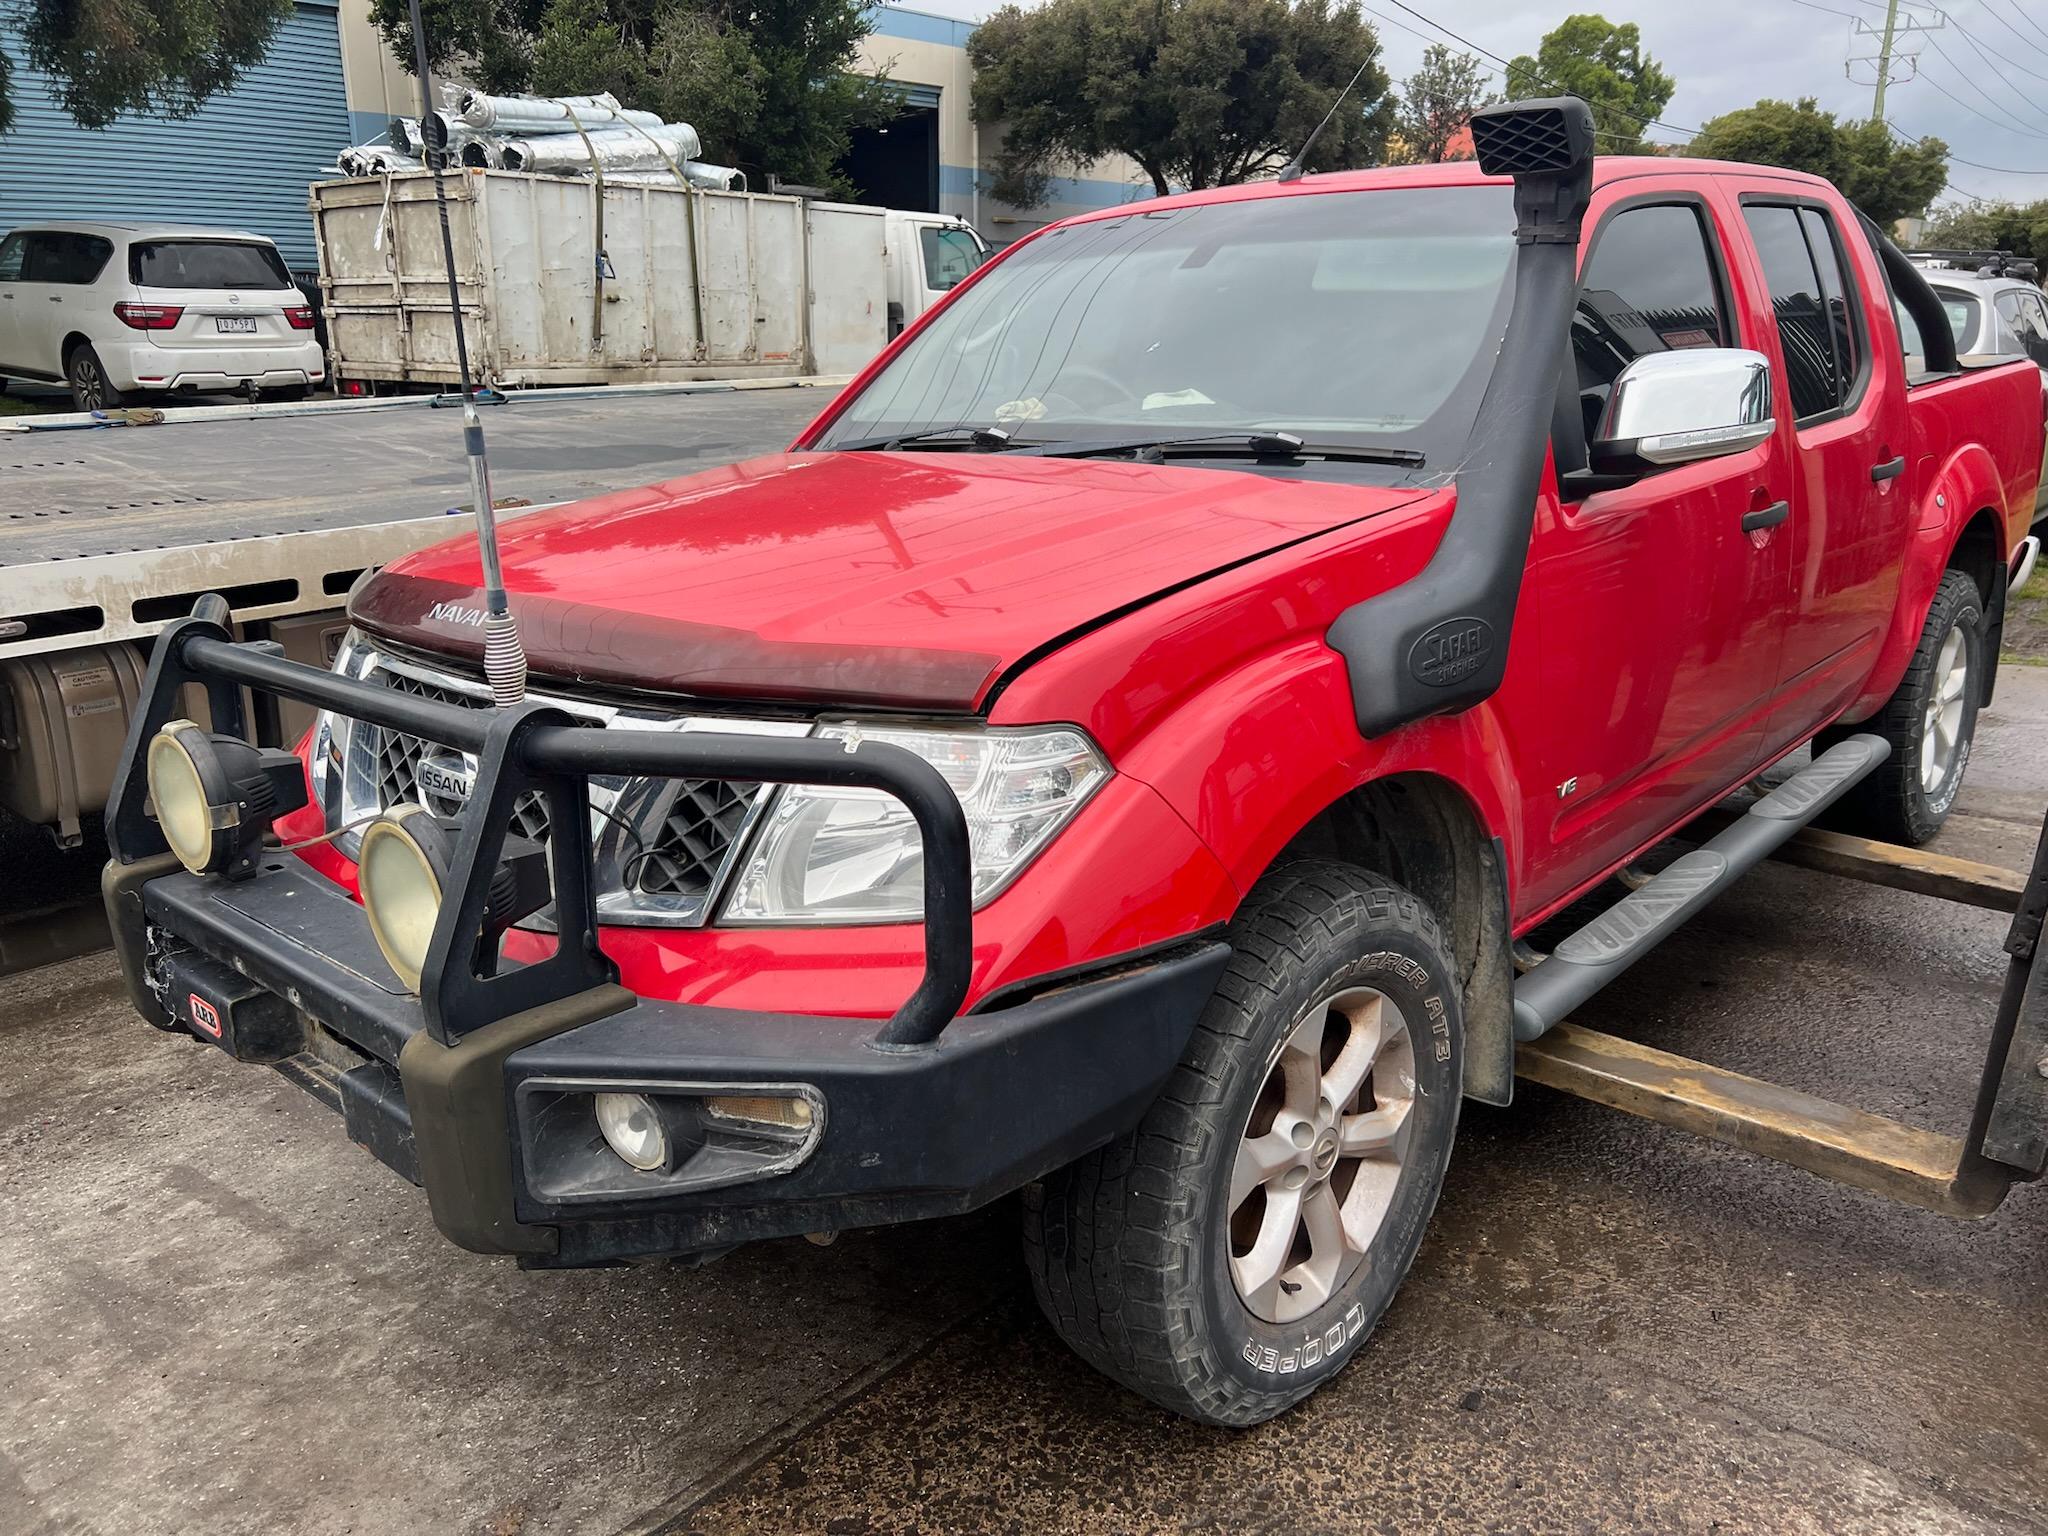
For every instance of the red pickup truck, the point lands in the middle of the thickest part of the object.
(1118, 752)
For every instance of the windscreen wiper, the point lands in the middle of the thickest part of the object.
(1261, 445)
(961, 433)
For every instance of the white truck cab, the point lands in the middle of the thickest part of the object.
(928, 255)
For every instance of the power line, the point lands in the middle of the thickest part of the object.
(1506, 64)
(2023, 16)
(2011, 120)
(1992, 64)
(2026, 41)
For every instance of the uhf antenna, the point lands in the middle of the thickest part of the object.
(504, 657)
(1292, 170)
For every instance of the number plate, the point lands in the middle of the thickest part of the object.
(235, 325)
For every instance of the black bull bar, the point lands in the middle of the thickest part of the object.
(929, 1113)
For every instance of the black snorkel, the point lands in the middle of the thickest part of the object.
(1439, 643)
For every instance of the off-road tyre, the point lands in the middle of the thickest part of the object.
(91, 389)
(1129, 1248)
(1895, 803)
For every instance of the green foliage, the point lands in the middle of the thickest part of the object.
(1200, 93)
(2021, 228)
(164, 57)
(1886, 179)
(765, 84)
(1436, 101)
(1591, 57)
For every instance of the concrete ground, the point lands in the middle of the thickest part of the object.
(217, 1315)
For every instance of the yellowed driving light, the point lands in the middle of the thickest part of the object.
(402, 873)
(215, 796)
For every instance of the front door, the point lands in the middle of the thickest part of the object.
(1840, 405)
(1656, 606)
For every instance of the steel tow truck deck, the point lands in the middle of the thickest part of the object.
(1137, 748)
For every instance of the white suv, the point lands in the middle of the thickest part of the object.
(120, 309)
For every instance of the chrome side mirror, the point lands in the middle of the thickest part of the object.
(1676, 407)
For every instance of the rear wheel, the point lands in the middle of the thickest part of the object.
(1227, 1257)
(91, 390)
(1930, 722)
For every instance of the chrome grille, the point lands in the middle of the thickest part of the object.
(663, 848)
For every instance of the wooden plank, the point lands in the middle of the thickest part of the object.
(1847, 1146)
(1888, 864)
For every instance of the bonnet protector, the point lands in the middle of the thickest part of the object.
(1439, 643)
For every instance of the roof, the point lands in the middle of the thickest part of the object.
(1607, 169)
(143, 231)
(1951, 277)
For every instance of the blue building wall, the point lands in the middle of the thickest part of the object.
(243, 159)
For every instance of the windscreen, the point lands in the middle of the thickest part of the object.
(1346, 318)
(206, 264)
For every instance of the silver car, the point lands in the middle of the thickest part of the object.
(1999, 315)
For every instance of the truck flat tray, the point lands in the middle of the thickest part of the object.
(106, 533)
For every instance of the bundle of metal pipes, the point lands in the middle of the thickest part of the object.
(552, 135)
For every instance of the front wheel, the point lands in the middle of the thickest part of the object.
(1930, 722)
(1228, 1256)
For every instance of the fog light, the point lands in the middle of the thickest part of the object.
(402, 872)
(633, 1128)
(216, 795)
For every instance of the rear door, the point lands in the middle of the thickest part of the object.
(234, 294)
(56, 299)
(1841, 407)
(1656, 607)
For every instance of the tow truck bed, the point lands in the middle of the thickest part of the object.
(107, 533)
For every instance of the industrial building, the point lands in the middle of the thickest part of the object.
(245, 157)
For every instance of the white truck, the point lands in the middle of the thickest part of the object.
(575, 282)
(112, 534)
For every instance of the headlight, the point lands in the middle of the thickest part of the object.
(326, 761)
(827, 855)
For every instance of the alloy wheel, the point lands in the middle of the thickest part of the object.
(1942, 727)
(1321, 1154)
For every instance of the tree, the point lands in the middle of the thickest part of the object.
(1200, 93)
(767, 84)
(1437, 101)
(2021, 228)
(1591, 57)
(1886, 179)
(160, 56)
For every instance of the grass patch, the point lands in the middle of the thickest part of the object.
(2026, 622)
(15, 405)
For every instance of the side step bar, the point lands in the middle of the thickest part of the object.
(1849, 1146)
(2007, 1140)
(1589, 959)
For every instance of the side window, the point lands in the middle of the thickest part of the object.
(59, 256)
(13, 258)
(2023, 316)
(1816, 316)
(949, 256)
(1649, 285)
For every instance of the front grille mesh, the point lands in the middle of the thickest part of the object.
(399, 755)
(701, 825)
(702, 820)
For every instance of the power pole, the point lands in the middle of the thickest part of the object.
(1894, 31)
(1884, 58)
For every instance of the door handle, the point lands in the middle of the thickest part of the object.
(1890, 469)
(1766, 517)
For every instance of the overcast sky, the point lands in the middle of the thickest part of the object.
(1991, 58)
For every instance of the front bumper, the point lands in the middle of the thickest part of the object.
(287, 974)
(463, 1087)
